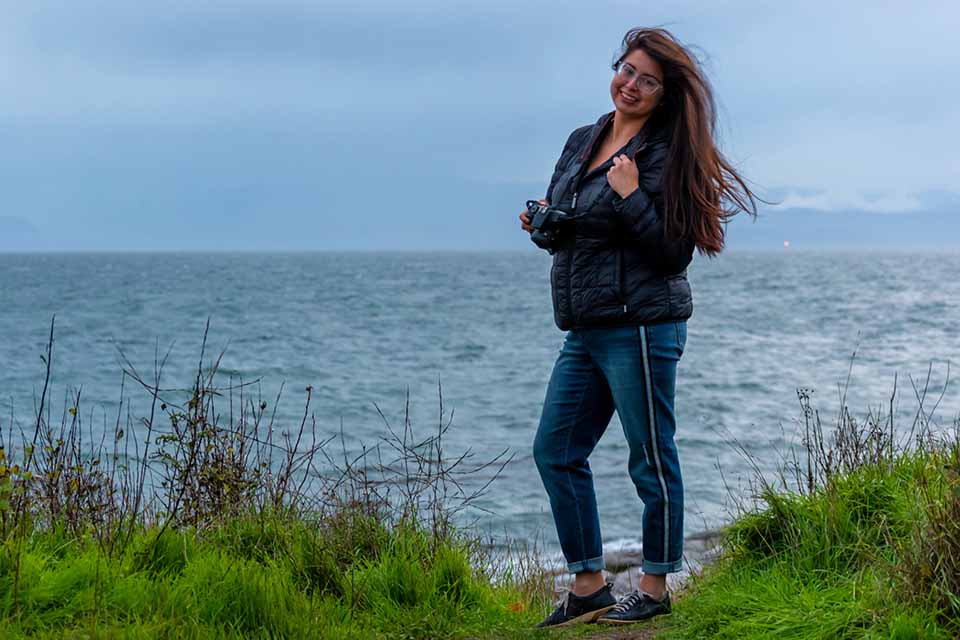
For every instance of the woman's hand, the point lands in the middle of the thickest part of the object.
(623, 176)
(525, 218)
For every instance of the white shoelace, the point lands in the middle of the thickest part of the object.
(630, 600)
(633, 599)
(564, 593)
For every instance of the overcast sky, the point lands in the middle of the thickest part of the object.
(285, 124)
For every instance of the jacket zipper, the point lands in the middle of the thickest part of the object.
(585, 156)
(570, 266)
(620, 274)
(573, 210)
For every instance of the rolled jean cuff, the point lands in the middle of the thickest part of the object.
(660, 568)
(590, 564)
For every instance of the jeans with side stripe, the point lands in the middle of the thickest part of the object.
(631, 370)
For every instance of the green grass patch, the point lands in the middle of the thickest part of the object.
(831, 564)
(255, 578)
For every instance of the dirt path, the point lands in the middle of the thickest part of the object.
(636, 632)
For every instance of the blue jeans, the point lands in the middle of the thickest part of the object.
(633, 370)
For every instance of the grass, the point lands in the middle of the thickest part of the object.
(254, 578)
(863, 543)
(204, 519)
(206, 526)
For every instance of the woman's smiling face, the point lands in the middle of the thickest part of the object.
(637, 86)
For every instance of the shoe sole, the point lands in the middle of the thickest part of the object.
(586, 617)
(614, 621)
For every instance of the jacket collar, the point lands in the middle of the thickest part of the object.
(646, 135)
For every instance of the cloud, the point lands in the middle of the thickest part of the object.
(288, 109)
(891, 202)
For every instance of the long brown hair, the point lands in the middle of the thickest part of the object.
(701, 189)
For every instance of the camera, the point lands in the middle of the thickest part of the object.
(548, 224)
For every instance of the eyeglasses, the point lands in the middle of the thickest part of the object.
(645, 84)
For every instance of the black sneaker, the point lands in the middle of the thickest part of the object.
(581, 608)
(637, 606)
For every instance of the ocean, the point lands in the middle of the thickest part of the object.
(365, 329)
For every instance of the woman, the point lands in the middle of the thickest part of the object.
(648, 186)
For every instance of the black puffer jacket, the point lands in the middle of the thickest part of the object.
(617, 268)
